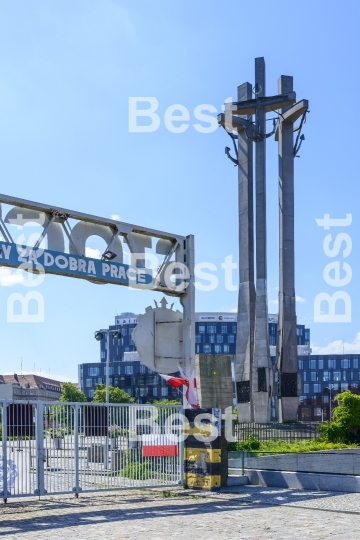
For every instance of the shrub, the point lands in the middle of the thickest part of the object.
(345, 428)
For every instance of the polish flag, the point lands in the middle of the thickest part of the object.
(173, 381)
(190, 384)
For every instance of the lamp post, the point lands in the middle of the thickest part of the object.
(330, 388)
(99, 335)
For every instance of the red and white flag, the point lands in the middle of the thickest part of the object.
(175, 382)
(189, 383)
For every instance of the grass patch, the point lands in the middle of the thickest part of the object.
(250, 444)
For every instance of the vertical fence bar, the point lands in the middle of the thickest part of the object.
(76, 449)
(40, 455)
(4, 450)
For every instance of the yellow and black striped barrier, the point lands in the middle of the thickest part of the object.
(202, 450)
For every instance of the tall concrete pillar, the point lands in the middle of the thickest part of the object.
(246, 299)
(286, 352)
(261, 379)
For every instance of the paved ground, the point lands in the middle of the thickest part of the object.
(251, 513)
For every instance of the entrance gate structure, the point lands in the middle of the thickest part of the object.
(65, 232)
(52, 448)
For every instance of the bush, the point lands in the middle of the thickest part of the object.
(345, 428)
(249, 444)
(139, 470)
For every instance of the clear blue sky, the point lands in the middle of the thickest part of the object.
(67, 70)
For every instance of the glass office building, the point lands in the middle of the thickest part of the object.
(322, 376)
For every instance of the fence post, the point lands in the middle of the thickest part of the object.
(243, 462)
(76, 488)
(40, 453)
(5, 492)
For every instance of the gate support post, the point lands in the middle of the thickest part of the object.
(40, 452)
(5, 492)
(76, 488)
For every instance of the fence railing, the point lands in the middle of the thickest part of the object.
(274, 430)
(74, 447)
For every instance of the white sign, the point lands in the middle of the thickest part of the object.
(126, 320)
(218, 318)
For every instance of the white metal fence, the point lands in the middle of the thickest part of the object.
(49, 448)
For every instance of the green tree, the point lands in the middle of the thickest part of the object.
(70, 392)
(116, 395)
(345, 427)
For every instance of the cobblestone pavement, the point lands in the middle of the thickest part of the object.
(251, 513)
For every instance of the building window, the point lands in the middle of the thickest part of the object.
(234, 328)
(154, 391)
(272, 340)
(226, 348)
(332, 363)
(207, 349)
(337, 376)
(103, 354)
(301, 364)
(326, 376)
(304, 376)
(224, 329)
(344, 376)
(197, 349)
(317, 388)
(219, 339)
(211, 329)
(320, 364)
(211, 338)
(231, 338)
(142, 369)
(94, 371)
(128, 370)
(91, 393)
(88, 383)
(355, 363)
(306, 388)
(201, 329)
(197, 339)
(299, 331)
(317, 411)
(143, 391)
(217, 349)
(344, 386)
(345, 363)
(354, 385)
(312, 364)
(164, 391)
(314, 376)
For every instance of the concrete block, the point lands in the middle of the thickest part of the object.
(237, 480)
(214, 380)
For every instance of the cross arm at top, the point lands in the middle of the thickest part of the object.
(269, 104)
(291, 115)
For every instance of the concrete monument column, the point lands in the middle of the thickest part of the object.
(261, 368)
(246, 298)
(286, 351)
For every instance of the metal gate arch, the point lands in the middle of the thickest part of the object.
(63, 447)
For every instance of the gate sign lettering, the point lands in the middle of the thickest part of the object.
(53, 262)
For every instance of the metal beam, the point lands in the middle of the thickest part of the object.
(269, 104)
(123, 228)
